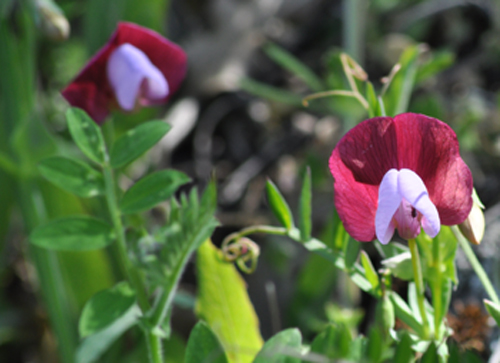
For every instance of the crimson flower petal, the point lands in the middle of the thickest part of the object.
(416, 142)
(91, 91)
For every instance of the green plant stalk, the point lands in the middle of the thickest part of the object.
(437, 300)
(49, 276)
(133, 276)
(476, 265)
(419, 283)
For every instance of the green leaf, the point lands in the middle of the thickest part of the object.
(400, 266)
(371, 97)
(384, 314)
(431, 355)
(283, 347)
(351, 252)
(305, 207)
(404, 353)
(73, 234)
(493, 309)
(203, 346)
(438, 62)
(272, 93)
(73, 176)
(291, 63)
(375, 345)
(105, 307)
(334, 342)
(398, 95)
(189, 224)
(404, 313)
(279, 205)
(86, 134)
(224, 304)
(151, 190)
(93, 346)
(370, 273)
(136, 142)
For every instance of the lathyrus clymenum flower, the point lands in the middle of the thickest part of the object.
(400, 173)
(137, 67)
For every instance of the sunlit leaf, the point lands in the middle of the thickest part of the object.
(224, 304)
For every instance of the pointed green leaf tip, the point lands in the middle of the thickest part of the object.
(105, 307)
(86, 134)
(279, 206)
(203, 346)
(305, 207)
(136, 142)
(284, 347)
(224, 304)
(151, 190)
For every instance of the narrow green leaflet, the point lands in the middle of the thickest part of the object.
(493, 310)
(73, 176)
(398, 95)
(86, 134)
(224, 304)
(136, 142)
(105, 307)
(151, 190)
(371, 97)
(291, 63)
(93, 346)
(403, 312)
(271, 93)
(279, 205)
(370, 273)
(73, 234)
(203, 346)
(284, 347)
(305, 207)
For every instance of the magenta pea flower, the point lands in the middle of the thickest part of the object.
(401, 173)
(137, 67)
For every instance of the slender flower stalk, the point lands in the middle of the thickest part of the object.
(419, 283)
(476, 265)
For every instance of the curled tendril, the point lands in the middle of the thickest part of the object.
(243, 251)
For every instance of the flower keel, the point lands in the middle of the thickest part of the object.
(133, 77)
(404, 204)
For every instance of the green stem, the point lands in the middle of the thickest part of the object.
(419, 283)
(255, 229)
(437, 300)
(155, 350)
(476, 265)
(134, 278)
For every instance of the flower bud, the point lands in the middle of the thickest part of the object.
(473, 227)
(52, 20)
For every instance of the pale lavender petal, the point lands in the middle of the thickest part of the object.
(127, 68)
(413, 189)
(389, 200)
